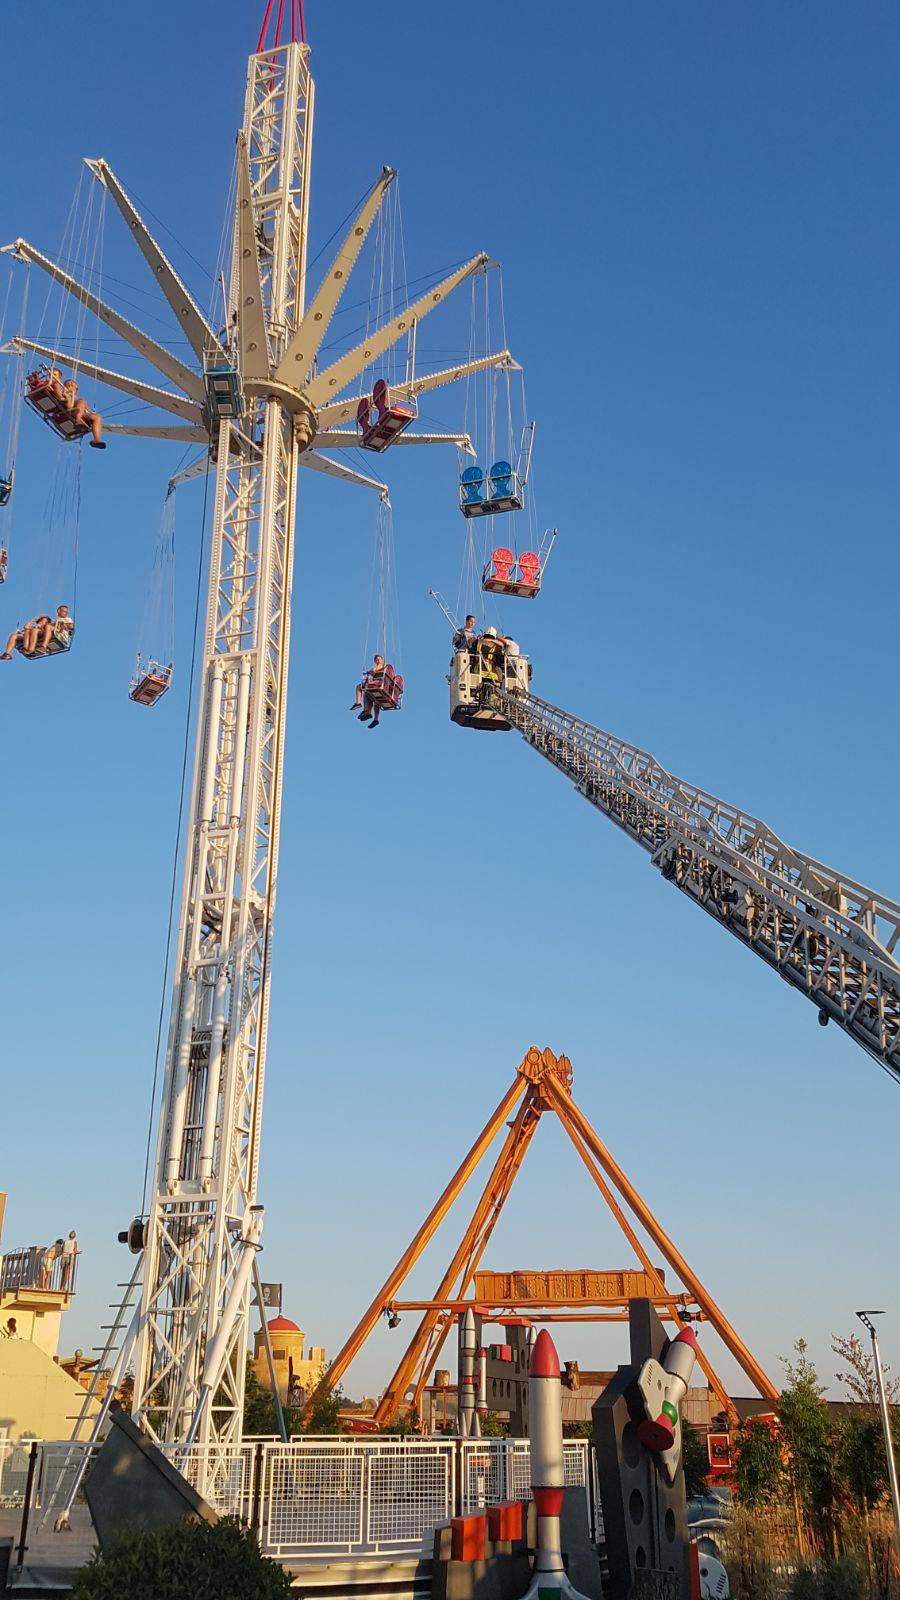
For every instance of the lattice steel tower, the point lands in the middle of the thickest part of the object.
(257, 398)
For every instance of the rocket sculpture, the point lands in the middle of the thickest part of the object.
(469, 1425)
(663, 1387)
(547, 1470)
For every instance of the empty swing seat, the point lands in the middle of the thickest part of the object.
(223, 392)
(471, 492)
(149, 684)
(504, 491)
(505, 575)
(381, 419)
(39, 397)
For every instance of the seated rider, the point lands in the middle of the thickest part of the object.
(35, 636)
(78, 410)
(374, 679)
(6, 487)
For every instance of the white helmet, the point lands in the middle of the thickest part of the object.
(490, 633)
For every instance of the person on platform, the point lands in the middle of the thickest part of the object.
(69, 1251)
(10, 1331)
(50, 1255)
(464, 637)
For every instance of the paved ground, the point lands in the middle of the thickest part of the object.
(54, 1552)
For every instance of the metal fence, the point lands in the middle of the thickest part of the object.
(28, 1269)
(492, 1470)
(354, 1497)
(318, 1497)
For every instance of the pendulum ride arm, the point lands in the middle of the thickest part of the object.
(428, 1339)
(582, 1134)
(417, 1244)
(829, 937)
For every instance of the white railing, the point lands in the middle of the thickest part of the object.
(354, 1497)
(319, 1497)
(493, 1470)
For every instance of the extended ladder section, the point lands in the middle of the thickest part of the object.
(831, 938)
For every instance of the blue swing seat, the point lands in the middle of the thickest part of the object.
(223, 392)
(504, 490)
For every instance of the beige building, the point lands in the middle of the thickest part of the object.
(38, 1399)
(293, 1370)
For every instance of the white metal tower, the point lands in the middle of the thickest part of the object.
(188, 1335)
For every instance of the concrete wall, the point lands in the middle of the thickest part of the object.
(36, 1396)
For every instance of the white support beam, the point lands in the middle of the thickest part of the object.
(199, 334)
(350, 441)
(184, 435)
(197, 469)
(297, 358)
(343, 410)
(188, 382)
(335, 378)
(335, 470)
(253, 338)
(147, 392)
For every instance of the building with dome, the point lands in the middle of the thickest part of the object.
(294, 1371)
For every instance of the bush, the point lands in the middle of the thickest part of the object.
(189, 1561)
(832, 1580)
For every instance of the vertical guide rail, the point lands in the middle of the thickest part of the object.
(209, 1128)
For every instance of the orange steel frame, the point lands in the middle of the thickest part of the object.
(543, 1083)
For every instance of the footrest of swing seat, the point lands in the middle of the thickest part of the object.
(512, 586)
(50, 411)
(56, 647)
(386, 428)
(147, 690)
(387, 698)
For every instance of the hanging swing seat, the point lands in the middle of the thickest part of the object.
(149, 682)
(4, 564)
(385, 689)
(60, 644)
(505, 490)
(223, 391)
(6, 487)
(381, 419)
(40, 397)
(504, 574)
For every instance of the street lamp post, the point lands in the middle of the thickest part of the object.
(865, 1318)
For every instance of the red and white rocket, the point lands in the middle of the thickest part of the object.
(663, 1387)
(547, 1469)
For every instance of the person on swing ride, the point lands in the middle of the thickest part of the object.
(373, 679)
(78, 409)
(35, 636)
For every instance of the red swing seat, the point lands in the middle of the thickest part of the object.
(381, 419)
(147, 689)
(503, 574)
(384, 689)
(40, 398)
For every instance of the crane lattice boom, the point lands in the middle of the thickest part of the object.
(831, 938)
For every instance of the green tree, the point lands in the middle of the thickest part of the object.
(259, 1405)
(187, 1559)
(807, 1432)
(323, 1418)
(759, 1474)
(492, 1427)
(695, 1461)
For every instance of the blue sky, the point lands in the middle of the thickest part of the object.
(696, 211)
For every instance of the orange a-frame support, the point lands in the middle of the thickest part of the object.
(543, 1082)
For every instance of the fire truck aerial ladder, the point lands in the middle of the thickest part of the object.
(829, 937)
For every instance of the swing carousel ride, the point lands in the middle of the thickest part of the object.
(262, 398)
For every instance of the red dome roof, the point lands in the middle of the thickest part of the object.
(283, 1325)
